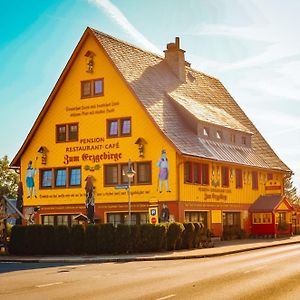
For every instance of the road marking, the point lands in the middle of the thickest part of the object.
(253, 270)
(166, 297)
(49, 284)
(146, 268)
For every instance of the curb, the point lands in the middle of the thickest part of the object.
(9, 259)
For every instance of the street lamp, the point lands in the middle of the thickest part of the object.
(130, 174)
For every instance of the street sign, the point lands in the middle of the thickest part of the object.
(153, 215)
(121, 187)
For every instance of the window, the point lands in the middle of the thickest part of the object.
(119, 127)
(125, 127)
(116, 174)
(48, 220)
(98, 87)
(231, 220)
(262, 218)
(143, 173)
(188, 172)
(219, 134)
(111, 174)
(67, 132)
(205, 131)
(244, 140)
(46, 178)
(86, 89)
(225, 176)
(61, 133)
(238, 178)
(122, 218)
(196, 173)
(196, 216)
(55, 220)
(75, 177)
(254, 180)
(232, 138)
(113, 128)
(73, 132)
(92, 88)
(61, 177)
(63, 220)
(270, 176)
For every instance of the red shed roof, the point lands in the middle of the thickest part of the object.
(268, 203)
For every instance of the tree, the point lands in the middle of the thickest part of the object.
(8, 179)
(290, 191)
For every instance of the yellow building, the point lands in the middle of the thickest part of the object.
(190, 144)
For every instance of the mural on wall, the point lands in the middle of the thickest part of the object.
(90, 199)
(30, 173)
(30, 214)
(165, 214)
(163, 175)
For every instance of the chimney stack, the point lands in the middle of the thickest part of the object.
(174, 56)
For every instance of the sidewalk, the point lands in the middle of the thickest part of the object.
(220, 248)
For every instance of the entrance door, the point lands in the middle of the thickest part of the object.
(231, 225)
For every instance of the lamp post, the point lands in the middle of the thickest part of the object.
(130, 174)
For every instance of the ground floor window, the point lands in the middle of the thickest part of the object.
(262, 218)
(123, 218)
(56, 220)
(232, 219)
(197, 216)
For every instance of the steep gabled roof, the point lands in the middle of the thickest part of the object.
(154, 83)
(156, 87)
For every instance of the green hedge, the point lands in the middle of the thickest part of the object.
(61, 239)
(77, 239)
(106, 239)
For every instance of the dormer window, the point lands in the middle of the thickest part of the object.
(219, 134)
(244, 140)
(232, 138)
(205, 131)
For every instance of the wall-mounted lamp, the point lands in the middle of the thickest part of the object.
(141, 145)
(43, 151)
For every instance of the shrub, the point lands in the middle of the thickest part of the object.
(91, 234)
(174, 234)
(145, 242)
(47, 239)
(197, 235)
(159, 237)
(17, 240)
(61, 239)
(135, 238)
(122, 238)
(106, 238)
(33, 240)
(188, 236)
(77, 239)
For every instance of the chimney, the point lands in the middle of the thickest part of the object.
(174, 56)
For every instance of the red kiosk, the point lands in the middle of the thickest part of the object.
(271, 215)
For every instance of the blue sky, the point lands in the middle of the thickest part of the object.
(252, 46)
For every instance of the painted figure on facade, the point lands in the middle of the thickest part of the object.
(30, 173)
(165, 214)
(163, 174)
(90, 200)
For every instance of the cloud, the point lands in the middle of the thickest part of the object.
(118, 17)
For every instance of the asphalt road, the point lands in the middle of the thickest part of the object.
(272, 273)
